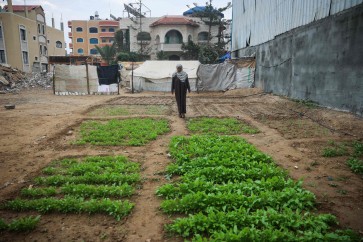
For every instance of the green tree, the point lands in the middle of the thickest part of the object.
(208, 54)
(119, 39)
(107, 52)
(161, 55)
(191, 50)
(211, 16)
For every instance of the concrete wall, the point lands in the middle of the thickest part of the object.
(322, 62)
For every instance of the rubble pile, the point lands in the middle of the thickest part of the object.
(14, 80)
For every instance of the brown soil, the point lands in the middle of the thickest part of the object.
(37, 132)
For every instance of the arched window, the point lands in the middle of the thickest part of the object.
(41, 50)
(203, 36)
(79, 29)
(93, 30)
(79, 40)
(45, 50)
(173, 37)
(80, 51)
(58, 44)
(93, 51)
(111, 30)
(93, 41)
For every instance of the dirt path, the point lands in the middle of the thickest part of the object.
(146, 222)
(37, 132)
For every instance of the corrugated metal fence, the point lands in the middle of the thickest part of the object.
(258, 21)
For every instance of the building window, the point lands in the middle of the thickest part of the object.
(25, 57)
(79, 40)
(94, 52)
(36, 58)
(23, 34)
(34, 38)
(173, 37)
(80, 51)
(93, 41)
(43, 27)
(58, 44)
(93, 30)
(45, 50)
(48, 41)
(104, 40)
(103, 30)
(79, 29)
(203, 36)
(2, 56)
(39, 31)
(111, 30)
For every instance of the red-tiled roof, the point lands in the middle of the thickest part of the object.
(168, 20)
(21, 8)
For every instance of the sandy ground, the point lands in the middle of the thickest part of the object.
(42, 126)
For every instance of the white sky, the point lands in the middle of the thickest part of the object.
(83, 9)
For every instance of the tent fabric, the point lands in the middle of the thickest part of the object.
(108, 75)
(223, 77)
(216, 77)
(157, 75)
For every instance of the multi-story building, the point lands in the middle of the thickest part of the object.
(166, 34)
(25, 39)
(86, 34)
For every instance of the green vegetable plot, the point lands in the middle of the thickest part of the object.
(20, 225)
(124, 110)
(92, 185)
(230, 191)
(228, 126)
(129, 132)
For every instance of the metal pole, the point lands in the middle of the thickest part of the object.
(132, 78)
(88, 88)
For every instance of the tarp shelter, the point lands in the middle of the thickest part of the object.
(156, 75)
(224, 76)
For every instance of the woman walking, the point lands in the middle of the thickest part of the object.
(180, 85)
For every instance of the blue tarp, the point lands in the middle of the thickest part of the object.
(199, 9)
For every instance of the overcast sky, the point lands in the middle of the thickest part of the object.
(82, 9)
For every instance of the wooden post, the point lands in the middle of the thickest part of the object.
(88, 88)
(132, 78)
(53, 79)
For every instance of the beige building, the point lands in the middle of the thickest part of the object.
(86, 34)
(25, 39)
(166, 34)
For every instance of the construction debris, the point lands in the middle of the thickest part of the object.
(13, 80)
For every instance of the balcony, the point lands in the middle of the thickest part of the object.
(70, 35)
(69, 24)
(109, 23)
(107, 34)
(169, 47)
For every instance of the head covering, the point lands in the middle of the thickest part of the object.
(182, 76)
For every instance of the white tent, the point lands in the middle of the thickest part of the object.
(156, 75)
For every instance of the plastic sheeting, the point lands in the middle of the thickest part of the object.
(156, 75)
(223, 77)
(258, 21)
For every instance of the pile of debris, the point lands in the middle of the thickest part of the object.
(14, 80)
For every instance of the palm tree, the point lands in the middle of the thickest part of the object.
(108, 52)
